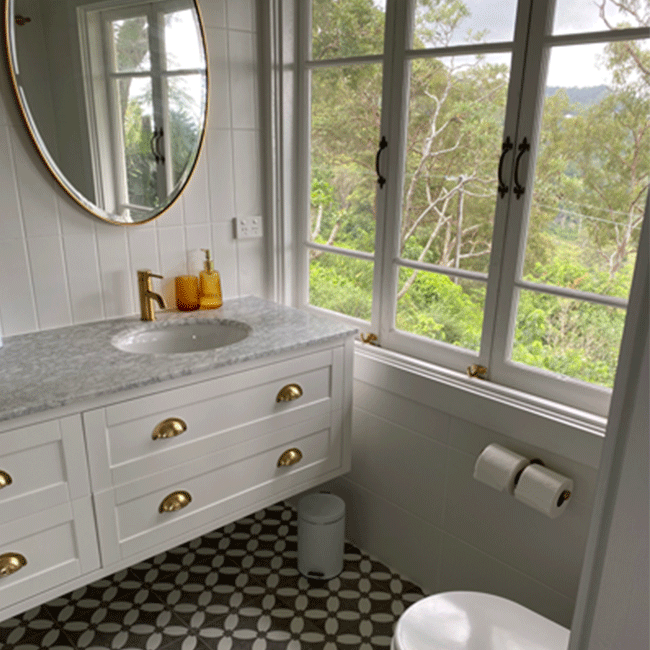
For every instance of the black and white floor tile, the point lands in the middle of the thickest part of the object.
(236, 588)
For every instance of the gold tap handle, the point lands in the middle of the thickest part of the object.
(5, 479)
(175, 501)
(169, 428)
(288, 393)
(290, 457)
(10, 563)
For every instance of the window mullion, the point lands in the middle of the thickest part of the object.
(394, 118)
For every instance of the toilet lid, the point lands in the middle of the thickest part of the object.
(466, 620)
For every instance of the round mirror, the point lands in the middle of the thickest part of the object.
(114, 96)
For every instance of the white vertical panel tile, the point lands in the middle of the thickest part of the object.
(220, 162)
(219, 79)
(173, 216)
(196, 202)
(35, 188)
(143, 248)
(213, 12)
(10, 224)
(16, 294)
(252, 267)
(118, 281)
(243, 80)
(241, 14)
(81, 266)
(50, 282)
(74, 219)
(248, 195)
(173, 262)
(224, 252)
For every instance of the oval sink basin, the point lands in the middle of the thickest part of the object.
(181, 337)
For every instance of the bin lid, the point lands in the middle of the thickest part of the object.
(321, 508)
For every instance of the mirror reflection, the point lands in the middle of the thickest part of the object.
(114, 96)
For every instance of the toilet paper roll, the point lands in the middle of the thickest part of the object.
(543, 489)
(498, 467)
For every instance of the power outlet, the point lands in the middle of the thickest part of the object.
(248, 228)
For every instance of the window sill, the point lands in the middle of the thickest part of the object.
(567, 431)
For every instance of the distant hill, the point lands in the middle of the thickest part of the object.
(585, 96)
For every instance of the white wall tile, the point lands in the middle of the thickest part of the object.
(74, 219)
(81, 267)
(17, 305)
(10, 224)
(241, 14)
(117, 279)
(220, 166)
(51, 294)
(173, 216)
(252, 270)
(219, 79)
(213, 12)
(224, 253)
(173, 262)
(465, 568)
(243, 80)
(143, 249)
(196, 197)
(247, 169)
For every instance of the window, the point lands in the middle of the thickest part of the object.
(475, 180)
(145, 90)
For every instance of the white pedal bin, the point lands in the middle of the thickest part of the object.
(321, 535)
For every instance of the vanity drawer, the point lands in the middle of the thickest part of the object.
(209, 416)
(58, 544)
(41, 466)
(227, 482)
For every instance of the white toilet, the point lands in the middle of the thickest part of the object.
(468, 620)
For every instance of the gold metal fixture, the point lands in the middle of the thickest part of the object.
(147, 295)
(175, 501)
(169, 428)
(5, 479)
(565, 496)
(288, 393)
(480, 372)
(370, 338)
(10, 563)
(290, 457)
(22, 20)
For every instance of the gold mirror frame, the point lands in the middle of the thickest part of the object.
(10, 22)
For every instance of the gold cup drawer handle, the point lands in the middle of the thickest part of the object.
(10, 563)
(288, 393)
(169, 428)
(175, 501)
(5, 479)
(290, 457)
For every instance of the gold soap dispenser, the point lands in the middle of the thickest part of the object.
(209, 284)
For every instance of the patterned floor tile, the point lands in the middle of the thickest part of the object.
(236, 588)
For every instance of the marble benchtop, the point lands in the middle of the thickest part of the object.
(53, 368)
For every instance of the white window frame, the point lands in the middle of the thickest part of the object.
(572, 400)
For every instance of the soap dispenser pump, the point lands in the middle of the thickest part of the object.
(209, 284)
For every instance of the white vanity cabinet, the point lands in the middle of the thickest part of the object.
(127, 476)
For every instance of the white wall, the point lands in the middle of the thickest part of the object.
(60, 266)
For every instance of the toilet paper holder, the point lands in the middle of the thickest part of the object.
(565, 496)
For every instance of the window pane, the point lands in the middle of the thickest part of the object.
(441, 308)
(569, 337)
(439, 24)
(455, 127)
(341, 284)
(183, 41)
(344, 140)
(592, 170)
(136, 112)
(344, 28)
(578, 16)
(186, 98)
(131, 43)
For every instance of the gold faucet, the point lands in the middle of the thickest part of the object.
(147, 296)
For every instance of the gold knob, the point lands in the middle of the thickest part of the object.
(290, 457)
(10, 563)
(169, 428)
(175, 501)
(289, 393)
(5, 479)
